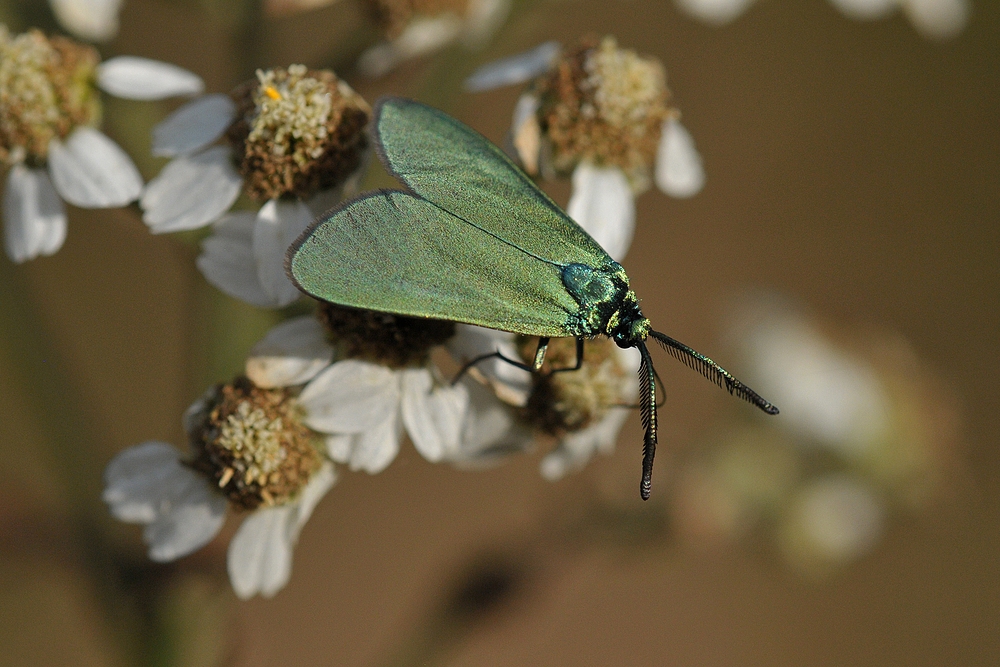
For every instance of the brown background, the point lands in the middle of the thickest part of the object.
(851, 165)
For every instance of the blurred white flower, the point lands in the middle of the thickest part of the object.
(364, 405)
(826, 396)
(937, 19)
(934, 19)
(49, 106)
(297, 136)
(414, 29)
(717, 12)
(865, 10)
(598, 113)
(286, 7)
(832, 521)
(90, 20)
(249, 452)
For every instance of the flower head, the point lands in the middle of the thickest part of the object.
(294, 140)
(297, 132)
(604, 105)
(599, 113)
(46, 91)
(50, 108)
(249, 449)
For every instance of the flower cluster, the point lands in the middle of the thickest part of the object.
(249, 449)
(50, 108)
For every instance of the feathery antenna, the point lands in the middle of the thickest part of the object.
(712, 371)
(647, 403)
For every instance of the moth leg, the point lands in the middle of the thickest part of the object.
(543, 345)
(579, 358)
(491, 355)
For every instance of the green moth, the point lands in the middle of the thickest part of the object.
(475, 241)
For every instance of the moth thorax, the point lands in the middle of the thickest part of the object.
(298, 131)
(252, 444)
(391, 340)
(46, 91)
(560, 403)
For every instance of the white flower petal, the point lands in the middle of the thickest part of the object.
(260, 555)
(679, 172)
(865, 9)
(482, 19)
(514, 70)
(827, 397)
(490, 431)
(191, 191)
(291, 353)
(717, 12)
(838, 518)
(629, 359)
(433, 415)
(34, 219)
(321, 481)
(374, 449)
(91, 171)
(193, 126)
(526, 133)
(576, 449)
(602, 203)
(938, 19)
(227, 260)
(338, 446)
(279, 223)
(134, 480)
(137, 78)
(378, 60)
(148, 484)
(424, 35)
(350, 396)
(91, 20)
(195, 517)
(195, 413)
(421, 36)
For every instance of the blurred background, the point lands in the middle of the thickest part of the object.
(845, 253)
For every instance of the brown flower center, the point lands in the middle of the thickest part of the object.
(393, 340)
(298, 131)
(252, 444)
(46, 91)
(571, 401)
(605, 105)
